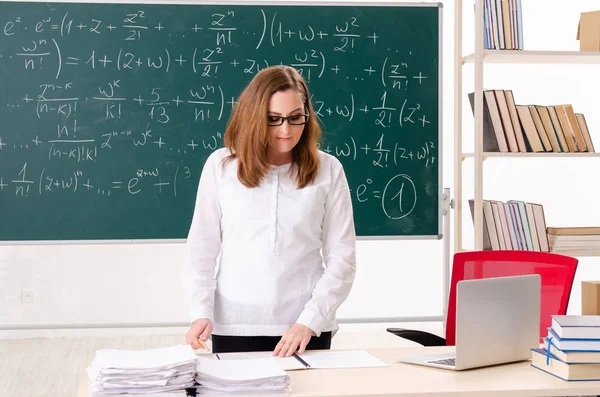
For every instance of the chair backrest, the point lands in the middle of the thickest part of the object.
(557, 273)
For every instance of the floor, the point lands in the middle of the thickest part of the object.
(46, 363)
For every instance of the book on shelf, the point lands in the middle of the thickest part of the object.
(565, 127)
(576, 326)
(540, 226)
(500, 219)
(560, 135)
(503, 24)
(490, 237)
(514, 117)
(570, 113)
(582, 124)
(520, 214)
(534, 142)
(574, 243)
(541, 131)
(515, 218)
(545, 361)
(546, 124)
(493, 132)
(574, 240)
(509, 127)
(507, 123)
(513, 225)
(574, 231)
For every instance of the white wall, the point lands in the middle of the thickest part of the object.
(131, 284)
(138, 283)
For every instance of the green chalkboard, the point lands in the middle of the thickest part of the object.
(108, 111)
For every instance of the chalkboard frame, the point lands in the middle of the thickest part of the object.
(440, 189)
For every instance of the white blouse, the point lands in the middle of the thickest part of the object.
(287, 255)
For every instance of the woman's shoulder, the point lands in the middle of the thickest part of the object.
(216, 158)
(329, 163)
(218, 155)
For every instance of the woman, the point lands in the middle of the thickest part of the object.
(279, 213)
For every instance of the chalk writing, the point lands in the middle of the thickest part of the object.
(123, 103)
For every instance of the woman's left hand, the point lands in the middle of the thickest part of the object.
(296, 338)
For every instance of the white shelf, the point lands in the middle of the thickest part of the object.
(531, 154)
(537, 57)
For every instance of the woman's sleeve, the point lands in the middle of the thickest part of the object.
(339, 254)
(203, 246)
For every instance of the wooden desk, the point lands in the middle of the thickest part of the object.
(405, 380)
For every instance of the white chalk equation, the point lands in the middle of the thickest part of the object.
(378, 152)
(397, 196)
(41, 47)
(208, 102)
(122, 103)
(145, 181)
(383, 154)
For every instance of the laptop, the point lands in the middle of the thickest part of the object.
(497, 322)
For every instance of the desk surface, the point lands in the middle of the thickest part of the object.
(518, 379)
(404, 380)
(44, 363)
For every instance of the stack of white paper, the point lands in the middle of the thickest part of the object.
(142, 371)
(242, 375)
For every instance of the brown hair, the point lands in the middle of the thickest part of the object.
(246, 135)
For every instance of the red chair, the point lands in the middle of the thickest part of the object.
(557, 273)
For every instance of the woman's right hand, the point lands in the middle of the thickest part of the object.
(201, 328)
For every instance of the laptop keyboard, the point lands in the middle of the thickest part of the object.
(451, 362)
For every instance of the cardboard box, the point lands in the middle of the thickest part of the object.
(590, 298)
(588, 32)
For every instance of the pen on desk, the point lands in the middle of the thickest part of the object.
(301, 360)
(203, 344)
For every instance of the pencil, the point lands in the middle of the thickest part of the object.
(203, 344)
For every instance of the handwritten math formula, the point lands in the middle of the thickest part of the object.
(126, 102)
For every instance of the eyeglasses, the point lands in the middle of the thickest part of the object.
(295, 119)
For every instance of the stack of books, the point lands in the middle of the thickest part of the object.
(508, 127)
(574, 240)
(503, 24)
(572, 350)
(513, 225)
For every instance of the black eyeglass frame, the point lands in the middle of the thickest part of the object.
(288, 118)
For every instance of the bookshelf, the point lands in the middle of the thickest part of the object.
(479, 59)
(539, 154)
(537, 57)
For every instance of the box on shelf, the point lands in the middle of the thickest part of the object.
(590, 298)
(588, 32)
